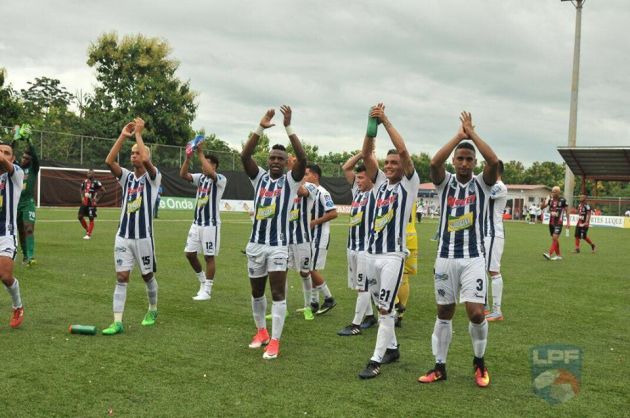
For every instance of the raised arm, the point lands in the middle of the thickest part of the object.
(110, 160)
(299, 168)
(348, 167)
(205, 164)
(250, 166)
(183, 171)
(437, 169)
(397, 140)
(142, 149)
(491, 170)
(7, 166)
(371, 165)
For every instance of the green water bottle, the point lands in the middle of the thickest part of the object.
(82, 329)
(372, 127)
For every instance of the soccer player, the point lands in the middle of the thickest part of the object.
(361, 211)
(387, 248)
(557, 209)
(267, 251)
(584, 220)
(322, 212)
(204, 235)
(90, 189)
(134, 240)
(494, 241)
(26, 207)
(11, 178)
(460, 265)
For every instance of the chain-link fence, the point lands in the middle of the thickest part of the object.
(90, 151)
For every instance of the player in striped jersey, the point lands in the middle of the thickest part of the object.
(134, 239)
(360, 216)
(387, 247)
(322, 212)
(557, 210)
(11, 178)
(204, 235)
(91, 188)
(584, 220)
(460, 264)
(494, 242)
(267, 251)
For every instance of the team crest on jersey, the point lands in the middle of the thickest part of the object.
(328, 201)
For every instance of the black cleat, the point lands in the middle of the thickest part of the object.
(368, 322)
(391, 355)
(328, 304)
(350, 331)
(315, 307)
(372, 370)
(398, 322)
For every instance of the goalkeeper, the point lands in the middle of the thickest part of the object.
(411, 268)
(26, 206)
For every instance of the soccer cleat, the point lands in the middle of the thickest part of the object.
(315, 307)
(86, 237)
(272, 350)
(202, 296)
(114, 328)
(328, 304)
(260, 339)
(350, 331)
(434, 375)
(547, 256)
(556, 258)
(270, 316)
(372, 370)
(494, 316)
(398, 322)
(308, 314)
(593, 248)
(391, 355)
(17, 317)
(368, 322)
(149, 318)
(482, 377)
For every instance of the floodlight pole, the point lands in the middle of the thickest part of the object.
(569, 178)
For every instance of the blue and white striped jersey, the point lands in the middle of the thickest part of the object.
(393, 203)
(273, 199)
(10, 189)
(496, 208)
(209, 195)
(323, 204)
(138, 200)
(462, 216)
(362, 215)
(299, 216)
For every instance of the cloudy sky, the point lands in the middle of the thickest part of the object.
(507, 61)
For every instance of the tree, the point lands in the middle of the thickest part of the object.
(10, 108)
(546, 172)
(513, 172)
(136, 77)
(45, 95)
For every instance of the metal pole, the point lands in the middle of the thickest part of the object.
(81, 151)
(569, 179)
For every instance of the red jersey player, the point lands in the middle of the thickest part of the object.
(584, 220)
(89, 190)
(557, 209)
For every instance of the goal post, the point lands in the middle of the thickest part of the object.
(60, 186)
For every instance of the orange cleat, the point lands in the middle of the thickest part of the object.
(482, 378)
(260, 339)
(432, 376)
(17, 317)
(272, 350)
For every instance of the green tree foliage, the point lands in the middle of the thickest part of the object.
(136, 77)
(10, 107)
(546, 172)
(45, 95)
(513, 172)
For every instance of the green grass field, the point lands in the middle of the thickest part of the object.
(195, 362)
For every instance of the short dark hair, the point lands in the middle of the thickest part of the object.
(500, 167)
(314, 168)
(392, 151)
(360, 168)
(213, 159)
(280, 147)
(466, 145)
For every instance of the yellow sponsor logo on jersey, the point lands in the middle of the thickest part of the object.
(1, 201)
(134, 205)
(381, 221)
(356, 219)
(265, 212)
(294, 215)
(202, 201)
(459, 223)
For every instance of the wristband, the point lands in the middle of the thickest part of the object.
(289, 130)
(259, 130)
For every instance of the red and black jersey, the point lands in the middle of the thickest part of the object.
(557, 208)
(583, 212)
(89, 189)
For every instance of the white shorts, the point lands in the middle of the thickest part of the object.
(261, 259)
(300, 257)
(463, 276)
(319, 257)
(494, 252)
(383, 274)
(141, 251)
(356, 270)
(203, 239)
(8, 246)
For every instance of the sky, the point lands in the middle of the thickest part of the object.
(508, 62)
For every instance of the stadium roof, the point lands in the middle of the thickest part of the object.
(598, 163)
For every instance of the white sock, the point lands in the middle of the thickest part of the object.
(14, 292)
(384, 336)
(152, 293)
(307, 288)
(208, 286)
(363, 301)
(497, 292)
(278, 313)
(201, 276)
(120, 296)
(323, 289)
(479, 337)
(259, 308)
(441, 339)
